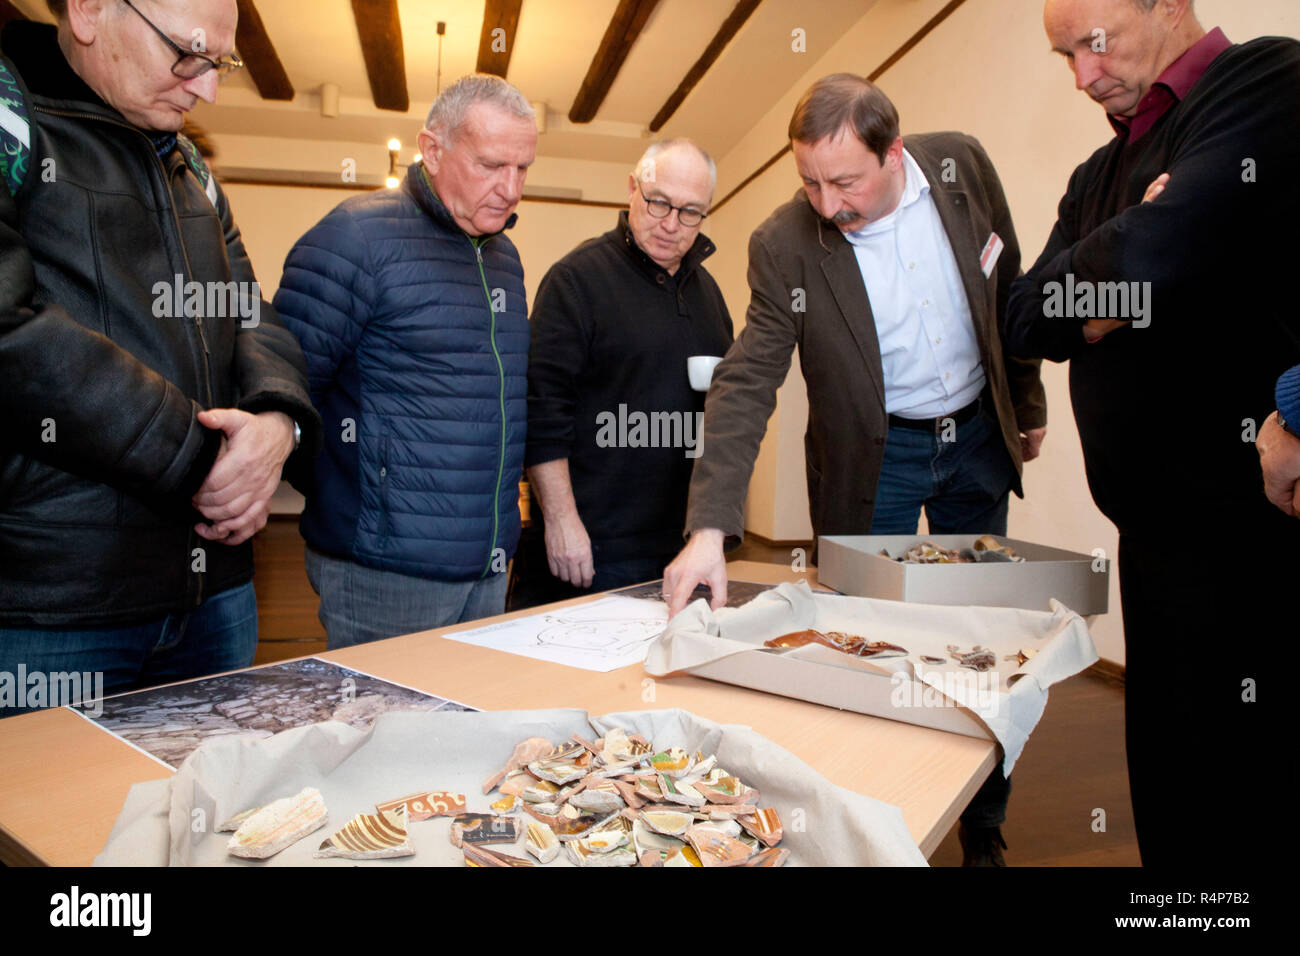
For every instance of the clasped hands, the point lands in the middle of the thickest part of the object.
(236, 495)
(1094, 330)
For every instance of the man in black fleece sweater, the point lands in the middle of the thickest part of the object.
(1164, 285)
(613, 423)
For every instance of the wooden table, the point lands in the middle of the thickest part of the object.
(63, 781)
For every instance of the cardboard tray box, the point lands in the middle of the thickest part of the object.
(824, 676)
(851, 564)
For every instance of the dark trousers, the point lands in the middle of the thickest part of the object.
(531, 581)
(963, 485)
(1209, 615)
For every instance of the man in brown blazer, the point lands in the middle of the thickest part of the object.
(889, 271)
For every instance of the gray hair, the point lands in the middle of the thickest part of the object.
(449, 110)
(647, 159)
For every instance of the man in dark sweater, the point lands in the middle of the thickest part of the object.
(1162, 282)
(613, 422)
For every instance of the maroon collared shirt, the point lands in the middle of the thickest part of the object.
(1171, 86)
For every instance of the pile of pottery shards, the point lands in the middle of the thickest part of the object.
(986, 549)
(619, 801)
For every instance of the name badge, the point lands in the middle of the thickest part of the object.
(992, 250)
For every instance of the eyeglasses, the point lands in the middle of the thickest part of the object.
(189, 64)
(660, 209)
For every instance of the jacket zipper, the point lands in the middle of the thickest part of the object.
(189, 270)
(501, 398)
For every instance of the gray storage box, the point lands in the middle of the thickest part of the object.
(851, 564)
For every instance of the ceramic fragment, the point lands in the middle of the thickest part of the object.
(598, 801)
(569, 827)
(686, 856)
(771, 856)
(728, 827)
(526, 751)
(516, 782)
(481, 856)
(507, 804)
(542, 791)
(765, 824)
(676, 791)
(644, 838)
(668, 822)
(714, 848)
(429, 803)
(484, 828)
(583, 853)
(557, 773)
(278, 824)
(541, 841)
(370, 836)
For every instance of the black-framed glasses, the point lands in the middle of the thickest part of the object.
(661, 208)
(189, 64)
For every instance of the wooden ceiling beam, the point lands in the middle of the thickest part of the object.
(494, 49)
(379, 26)
(730, 27)
(624, 28)
(260, 59)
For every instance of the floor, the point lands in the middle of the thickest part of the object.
(1070, 800)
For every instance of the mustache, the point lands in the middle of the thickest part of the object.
(845, 216)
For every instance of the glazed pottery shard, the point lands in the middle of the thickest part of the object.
(683, 857)
(598, 801)
(558, 773)
(675, 761)
(675, 791)
(541, 841)
(507, 804)
(795, 639)
(526, 751)
(369, 836)
(483, 828)
(765, 825)
(422, 806)
(668, 822)
(714, 848)
(595, 852)
(278, 824)
(478, 856)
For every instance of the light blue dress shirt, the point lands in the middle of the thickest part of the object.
(928, 349)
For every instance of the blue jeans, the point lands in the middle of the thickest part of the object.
(219, 635)
(964, 486)
(360, 604)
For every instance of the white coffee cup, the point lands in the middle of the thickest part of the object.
(700, 370)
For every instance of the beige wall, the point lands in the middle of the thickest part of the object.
(986, 71)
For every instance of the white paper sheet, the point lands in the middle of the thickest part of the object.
(601, 636)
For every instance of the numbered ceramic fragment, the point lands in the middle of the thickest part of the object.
(278, 824)
(481, 856)
(423, 806)
(541, 841)
(484, 828)
(765, 825)
(370, 836)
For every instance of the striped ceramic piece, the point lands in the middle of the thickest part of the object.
(279, 824)
(370, 836)
(764, 824)
(426, 804)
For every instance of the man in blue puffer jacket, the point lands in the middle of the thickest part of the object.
(410, 307)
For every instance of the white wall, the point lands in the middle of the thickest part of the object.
(986, 70)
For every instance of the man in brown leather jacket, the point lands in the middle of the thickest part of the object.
(151, 397)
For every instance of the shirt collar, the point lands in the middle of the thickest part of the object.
(915, 188)
(1172, 85)
(700, 250)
